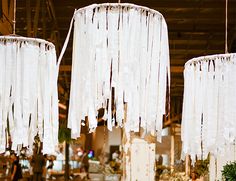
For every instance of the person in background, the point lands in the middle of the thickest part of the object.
(16, 172)
(38, 162)
(159, 166)
(84, 166)
(84, 160)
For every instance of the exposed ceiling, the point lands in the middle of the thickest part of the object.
(196, 28)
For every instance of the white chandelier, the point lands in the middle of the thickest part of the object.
(28, 92)
(125, 47)
(209, 106)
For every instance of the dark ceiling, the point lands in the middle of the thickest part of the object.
(196, 28)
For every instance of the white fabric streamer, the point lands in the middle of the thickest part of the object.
(208, 118)
(122, 47)
(28, 93)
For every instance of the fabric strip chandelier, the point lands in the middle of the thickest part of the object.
(28, 93)
(209, 107)
(122, 47)
(208, 118)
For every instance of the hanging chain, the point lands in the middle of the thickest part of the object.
(226, 26)
(119, 1)
(14, 18)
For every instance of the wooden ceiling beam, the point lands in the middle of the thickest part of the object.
(195, 51)
(6, 20)
(206, 13)
(168, 13)
(5, 9)
(173, 4)
(4, 30)
(203, 45)
(155, 4)
(176, 69)
(194, 42)
(176, 24)
(177, 81)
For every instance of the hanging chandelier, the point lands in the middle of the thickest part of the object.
(121, 47)
(28, 93)
(208, 120)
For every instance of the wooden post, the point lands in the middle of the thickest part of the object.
(124, 141)
(138, 155)
(172, 151)
(187, 165)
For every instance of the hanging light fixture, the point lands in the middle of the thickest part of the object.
(28, 92)
(208, 118)
(122, 47)
(209, 105)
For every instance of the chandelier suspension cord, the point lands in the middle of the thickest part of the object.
(14, 18)
(226, 26)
